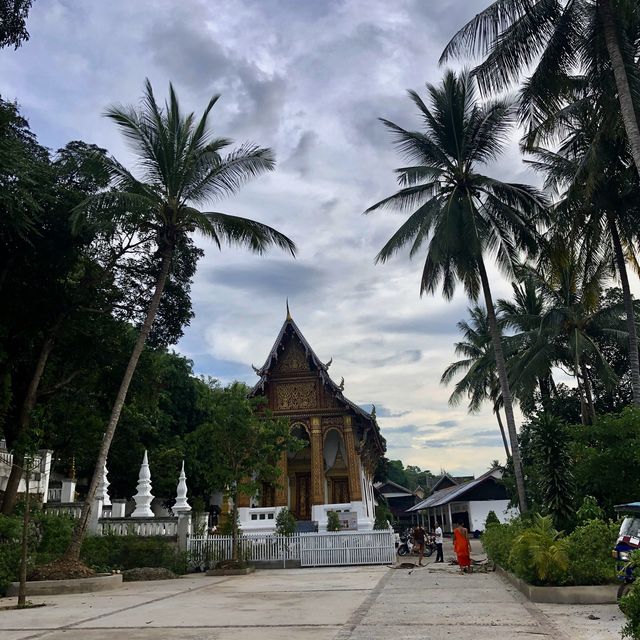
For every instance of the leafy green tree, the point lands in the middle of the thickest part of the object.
(183, 168)
(243, 444)
(13, 18)
(461, 214)
(49, 278)
(605, 456)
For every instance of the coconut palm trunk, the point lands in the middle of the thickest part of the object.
(73, 552)
(634, 360)
(627, 109)
(502, 433)
(588, 393)
(501, 369)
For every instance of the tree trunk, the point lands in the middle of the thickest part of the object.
(588, 393)
(501, 368)
(234, 527)
(24, 420)
(545, 391)
(22, 587)
(584, 412)
(496, 410)
(73, 551)
(627, 110)
(634, 360)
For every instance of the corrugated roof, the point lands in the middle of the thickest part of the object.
(379, 486)
(451, 494)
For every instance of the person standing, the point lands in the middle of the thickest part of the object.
(462, 547)
(439, 543)
(418, 539)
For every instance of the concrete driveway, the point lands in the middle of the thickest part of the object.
(359, 603)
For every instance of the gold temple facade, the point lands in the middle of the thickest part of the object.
(334, 470)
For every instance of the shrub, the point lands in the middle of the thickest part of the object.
(589, 550)
(589, 510)
(54, 535)
(333, 521)
(540, 554)
(10, 545)
(383, 516)
(498, 539)
(492, 518)
(630, 604)
(285, 523)
(106, 553)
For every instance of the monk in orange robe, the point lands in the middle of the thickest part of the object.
(462, 547)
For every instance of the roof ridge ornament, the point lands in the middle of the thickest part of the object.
(288, 312)
(328, 364)
(341, 385)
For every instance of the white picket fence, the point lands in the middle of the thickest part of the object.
(310, 549)
(345, 548)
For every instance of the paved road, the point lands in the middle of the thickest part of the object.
(356, 603)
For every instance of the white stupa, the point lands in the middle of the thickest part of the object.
(143, 496)
(181, 504)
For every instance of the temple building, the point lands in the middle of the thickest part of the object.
(334, 471)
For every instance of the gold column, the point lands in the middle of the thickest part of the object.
(282, 483)
(355, 493)
(317, 463)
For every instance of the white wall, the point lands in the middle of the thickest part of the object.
(479, 510)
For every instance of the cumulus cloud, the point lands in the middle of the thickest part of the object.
(310, 80)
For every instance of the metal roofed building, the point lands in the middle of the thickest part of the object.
(468, 502)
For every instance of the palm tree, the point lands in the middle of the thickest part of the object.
(574, 320)
(558, 38)
(480, 380)
(182, 169)
(523, 316)
(590, 172)
(459, 213)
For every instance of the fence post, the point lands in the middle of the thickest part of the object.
(184, 529)
(96, 514)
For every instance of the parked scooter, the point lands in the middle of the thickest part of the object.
(408, 545)
(628, 541)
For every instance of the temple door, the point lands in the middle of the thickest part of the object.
(303, 496)
(340, 491)
(268, 495)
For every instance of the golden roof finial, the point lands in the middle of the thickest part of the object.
(288, 312)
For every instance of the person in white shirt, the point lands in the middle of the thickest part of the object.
(439, 541)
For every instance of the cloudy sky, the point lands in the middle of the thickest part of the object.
(308, 78)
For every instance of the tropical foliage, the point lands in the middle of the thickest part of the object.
(538, 553)
(459, 214)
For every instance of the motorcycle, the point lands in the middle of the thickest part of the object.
(628, 541)
(408, 545)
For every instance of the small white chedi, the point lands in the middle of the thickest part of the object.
(143, 496)
(102, 493)
(181, 504)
